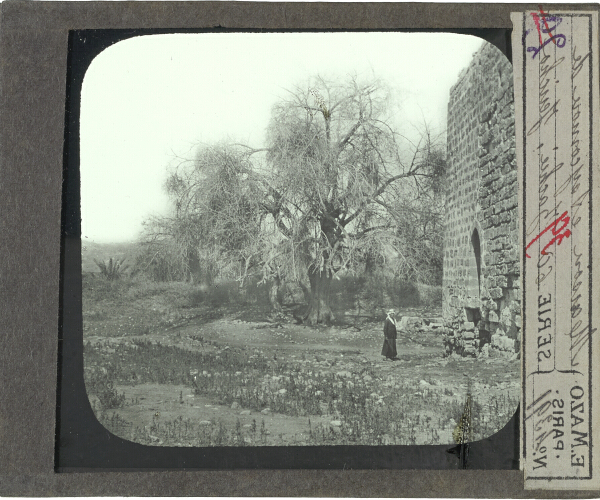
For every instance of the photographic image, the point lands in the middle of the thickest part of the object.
(300, 239)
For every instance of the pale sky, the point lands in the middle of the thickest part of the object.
(149, 100)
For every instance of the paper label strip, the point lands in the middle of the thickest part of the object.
(556, 99)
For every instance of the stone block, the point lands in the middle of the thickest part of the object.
(506, 317)
(468, 326)
(509, 344)
(470, 351)
(410, 322)
(485, 351)
(518, 321)
(495, 340)
(500, 344)
(491, 305)
(485, 115)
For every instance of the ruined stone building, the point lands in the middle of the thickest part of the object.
(481, 287)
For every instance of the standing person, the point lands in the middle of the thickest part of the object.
(390, 334)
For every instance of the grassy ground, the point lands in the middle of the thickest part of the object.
(163, 366)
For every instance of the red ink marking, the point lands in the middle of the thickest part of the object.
(556, 232)
(536, 20)
(557, 39)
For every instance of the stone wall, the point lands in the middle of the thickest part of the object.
(481, 300)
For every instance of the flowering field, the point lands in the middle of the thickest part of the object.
(233, 379)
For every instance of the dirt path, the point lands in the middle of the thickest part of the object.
(290, 340)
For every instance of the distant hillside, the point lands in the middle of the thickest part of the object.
(104, 251)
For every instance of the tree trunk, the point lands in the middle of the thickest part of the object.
(319, 310)
(370, 264)
(193, 266)
(305, 292)
(274, 295)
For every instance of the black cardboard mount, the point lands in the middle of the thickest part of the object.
(83, 443)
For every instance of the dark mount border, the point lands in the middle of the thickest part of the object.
(84, 444)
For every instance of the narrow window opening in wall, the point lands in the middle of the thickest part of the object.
(475, 243)
(473, 314)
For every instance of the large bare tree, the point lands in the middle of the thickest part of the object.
(334, 190)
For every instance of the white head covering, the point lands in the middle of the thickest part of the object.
(389, 316)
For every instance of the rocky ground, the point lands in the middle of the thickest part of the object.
(211, 376)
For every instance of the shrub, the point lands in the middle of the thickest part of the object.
(405, 294)
(101, 383)
(383, 290)
(97, 288)
(346, 291)
(218, 294)
(430, 295)
(160, 261)
(113, 269)
(109, 398)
